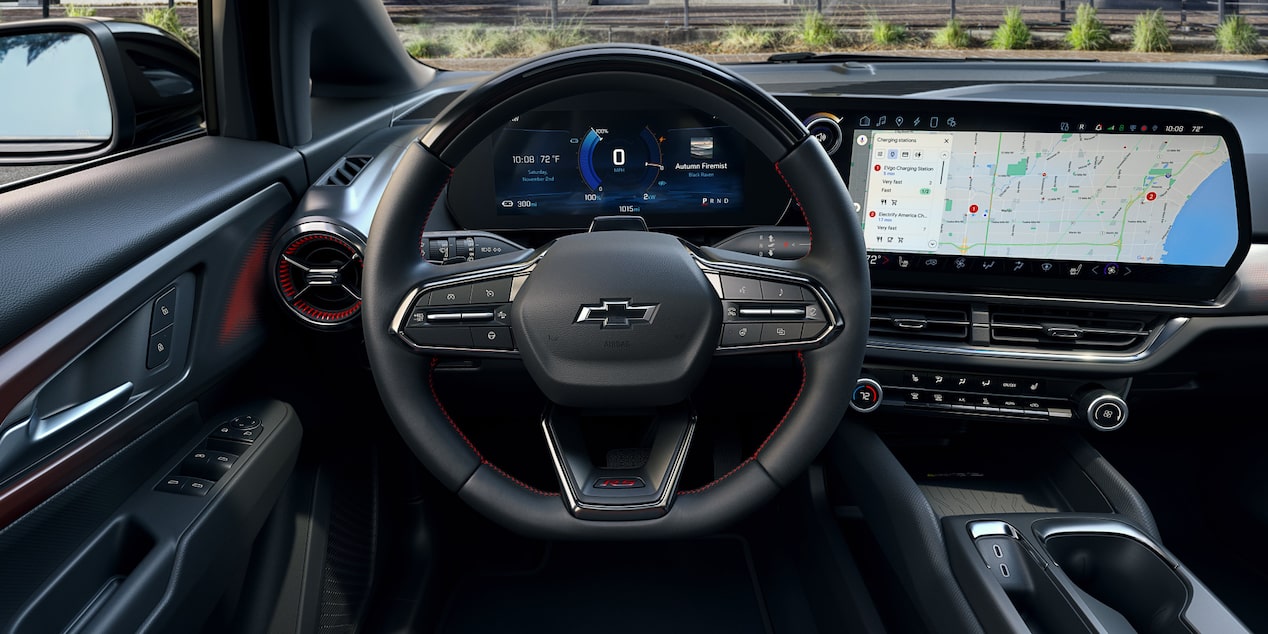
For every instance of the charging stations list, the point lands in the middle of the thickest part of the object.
(906, 190)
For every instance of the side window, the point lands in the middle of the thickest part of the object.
(82, 89)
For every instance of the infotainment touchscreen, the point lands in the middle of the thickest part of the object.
(1053, 198)
(1099, 198)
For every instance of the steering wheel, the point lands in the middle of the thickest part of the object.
(616, 319)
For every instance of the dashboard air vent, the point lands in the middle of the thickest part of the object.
(1060, 329)
(901, 319)
(319, 277)
(346, 171)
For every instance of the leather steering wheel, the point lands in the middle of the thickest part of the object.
(608, 319)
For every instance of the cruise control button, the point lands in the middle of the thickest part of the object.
(779, 333)
(451, 296)
(776, 291)
(741, 334)
(740, 288)
(492, 337)
(491, 291)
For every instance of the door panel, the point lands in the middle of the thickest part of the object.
(91, 420)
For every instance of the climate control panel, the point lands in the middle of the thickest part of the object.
(992, 396)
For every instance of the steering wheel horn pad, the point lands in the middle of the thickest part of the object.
(616, 319)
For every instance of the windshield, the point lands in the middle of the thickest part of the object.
(490, 36)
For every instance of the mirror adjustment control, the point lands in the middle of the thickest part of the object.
(1103, 410)
(867, 396)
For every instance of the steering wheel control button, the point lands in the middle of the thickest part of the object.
(867, 396)
(492, 337)
(495, 291)
(778, 291)
(441, 336)
(452, 296)
(740, 288)
(741, 334)
(780, 333)
(163, 314)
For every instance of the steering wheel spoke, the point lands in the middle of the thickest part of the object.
(466, 313)
(769, 306)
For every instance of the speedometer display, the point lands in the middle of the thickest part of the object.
(553, 163)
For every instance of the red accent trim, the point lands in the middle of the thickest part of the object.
(431, 384)
(422, 246)
(800, 359)
(242, 309)
(800, 208)
(288, 288)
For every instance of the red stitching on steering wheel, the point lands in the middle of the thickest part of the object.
(801, 360)
(431, 384)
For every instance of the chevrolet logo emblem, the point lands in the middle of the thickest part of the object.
(616, 313)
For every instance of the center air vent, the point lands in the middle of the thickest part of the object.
(318, 275)
(347, 169)
(900, 319)
(1059, 329)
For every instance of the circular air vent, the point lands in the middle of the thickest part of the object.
(318, 274)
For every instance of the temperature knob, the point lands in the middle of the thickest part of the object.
(867, 396)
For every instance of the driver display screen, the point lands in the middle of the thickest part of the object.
(1074, 199)
(593, 163)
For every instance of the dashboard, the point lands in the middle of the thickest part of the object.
(1063, 199)
(1017, 231)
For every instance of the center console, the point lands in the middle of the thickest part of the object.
(1015, 529)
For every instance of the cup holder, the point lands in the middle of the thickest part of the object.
(1125, 575)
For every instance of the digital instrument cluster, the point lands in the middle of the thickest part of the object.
(559, 167)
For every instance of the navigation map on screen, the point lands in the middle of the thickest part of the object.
(1148, 198)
